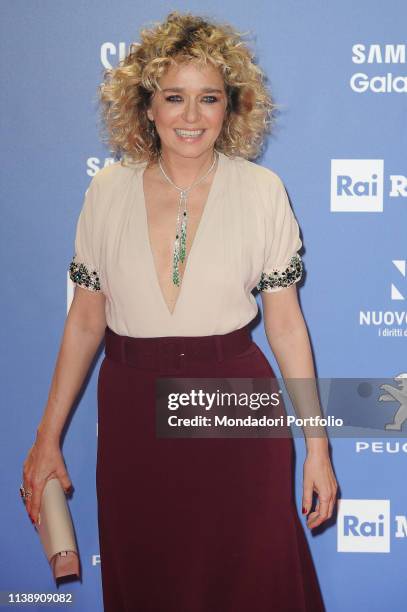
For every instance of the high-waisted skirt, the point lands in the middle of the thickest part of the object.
(194, 524)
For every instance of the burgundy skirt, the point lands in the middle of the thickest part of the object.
(193, 524)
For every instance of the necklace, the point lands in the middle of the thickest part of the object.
(181, 226)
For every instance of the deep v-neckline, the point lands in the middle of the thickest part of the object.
(195, 243)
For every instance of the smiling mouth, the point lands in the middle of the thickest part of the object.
(189, 133)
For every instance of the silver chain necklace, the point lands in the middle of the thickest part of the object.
(181, 226)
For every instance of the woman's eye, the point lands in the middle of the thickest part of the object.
(208, 99)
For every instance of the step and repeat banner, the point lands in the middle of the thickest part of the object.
(338, 72)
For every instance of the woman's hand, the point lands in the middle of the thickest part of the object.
(319, 477)
(43, 462)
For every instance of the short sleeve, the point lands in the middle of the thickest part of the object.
(283, 265)
(84, 266)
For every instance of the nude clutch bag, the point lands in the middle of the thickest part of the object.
(56, 532)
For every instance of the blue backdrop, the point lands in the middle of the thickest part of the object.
(338, 72)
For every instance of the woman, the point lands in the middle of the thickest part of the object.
(170, 243)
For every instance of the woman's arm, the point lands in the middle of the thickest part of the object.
(288, 338)
(83, 332)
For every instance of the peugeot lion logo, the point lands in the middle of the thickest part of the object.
(396, 394)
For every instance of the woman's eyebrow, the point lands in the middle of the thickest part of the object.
(206, 89)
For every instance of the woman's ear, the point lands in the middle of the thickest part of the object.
(150, 114)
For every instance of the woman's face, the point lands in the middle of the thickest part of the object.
(189, 110)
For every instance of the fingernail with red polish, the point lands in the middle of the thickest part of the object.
(304, 510)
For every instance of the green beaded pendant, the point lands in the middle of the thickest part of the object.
(180, 240)
(175, 260)
(180, 244)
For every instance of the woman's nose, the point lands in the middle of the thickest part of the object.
(191, 111)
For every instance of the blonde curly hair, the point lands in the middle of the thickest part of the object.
(126, 90)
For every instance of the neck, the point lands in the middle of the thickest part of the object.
(183, 171)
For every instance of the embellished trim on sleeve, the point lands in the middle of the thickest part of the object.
(282, 278)
(84, 275)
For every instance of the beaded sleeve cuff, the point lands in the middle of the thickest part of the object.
(83, 275)
(282, 278)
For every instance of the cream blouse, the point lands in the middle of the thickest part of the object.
(247, 238)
